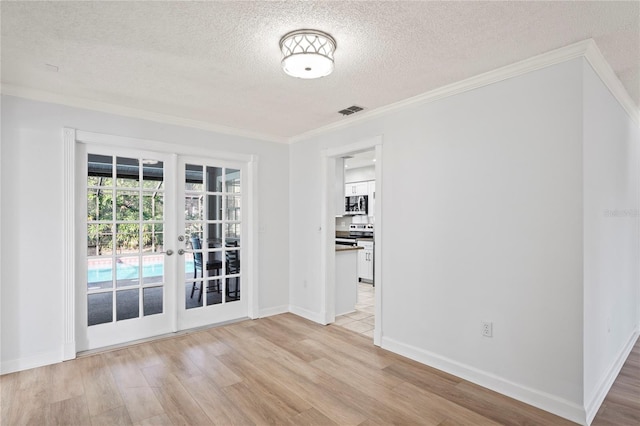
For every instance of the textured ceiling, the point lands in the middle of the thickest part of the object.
(219, 62)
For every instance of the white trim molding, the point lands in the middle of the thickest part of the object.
(275, 310)
(610, 79)
(74, 140)
(586, 48)
(561, 407)
(35, 361)
(253, 235)
(327, 229)
(157, 146)
(378, 246)
(69, 235)
(318, 317)
(108, 108)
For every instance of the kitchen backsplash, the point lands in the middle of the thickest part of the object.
(342, 223)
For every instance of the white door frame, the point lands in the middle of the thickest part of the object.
(327, 254)
(71, 278)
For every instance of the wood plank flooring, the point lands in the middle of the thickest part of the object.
(622, 404)
(277, 370)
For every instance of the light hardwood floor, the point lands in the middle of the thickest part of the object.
(276, 370)
(622, 404)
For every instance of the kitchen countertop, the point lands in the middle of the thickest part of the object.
(347, 248)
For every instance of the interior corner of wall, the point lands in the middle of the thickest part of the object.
(318, 317)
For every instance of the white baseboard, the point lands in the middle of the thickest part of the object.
(542, 400)
(34, 361)
(318, 317)
(69, 351)
(603, 388)
(276, 310)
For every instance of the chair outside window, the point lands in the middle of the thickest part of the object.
(232, 267)
(198, 263)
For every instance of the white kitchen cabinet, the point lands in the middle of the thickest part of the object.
(365, 261)
(371, 192)
(356, 188)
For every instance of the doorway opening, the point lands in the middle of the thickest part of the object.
(353, 214)
(357, 227)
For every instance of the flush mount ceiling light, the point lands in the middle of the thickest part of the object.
(307, 53)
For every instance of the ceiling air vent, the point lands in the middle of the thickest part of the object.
(350, 110)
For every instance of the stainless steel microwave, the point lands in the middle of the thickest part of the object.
(356, 204)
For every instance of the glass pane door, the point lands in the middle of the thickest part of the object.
(212, 243)
(127, 268)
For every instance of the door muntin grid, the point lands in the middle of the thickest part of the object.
(212, 225)
(125, 238)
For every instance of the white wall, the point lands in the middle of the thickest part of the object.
(305, 286)
(360, 174)
(611, 256)
(31, 227)
(482, 221)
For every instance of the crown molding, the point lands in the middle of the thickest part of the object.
(610, 79)
(586, 48)
(44, 96)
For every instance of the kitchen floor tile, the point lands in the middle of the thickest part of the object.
(362, 320)
(368, 309)
(370, 320)
(343, 319)
(358, 326)
(358, 315)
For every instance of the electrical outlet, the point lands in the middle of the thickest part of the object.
(487, 328)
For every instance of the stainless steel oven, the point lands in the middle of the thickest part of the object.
(361, 230)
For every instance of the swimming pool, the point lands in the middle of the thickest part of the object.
(125, 271)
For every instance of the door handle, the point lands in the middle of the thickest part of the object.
(181, 252)
(169, 252)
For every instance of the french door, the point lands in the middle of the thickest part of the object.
(163, 245)
(211, 242)
(129, 275)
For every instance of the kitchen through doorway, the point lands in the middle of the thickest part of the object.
(357, 227)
